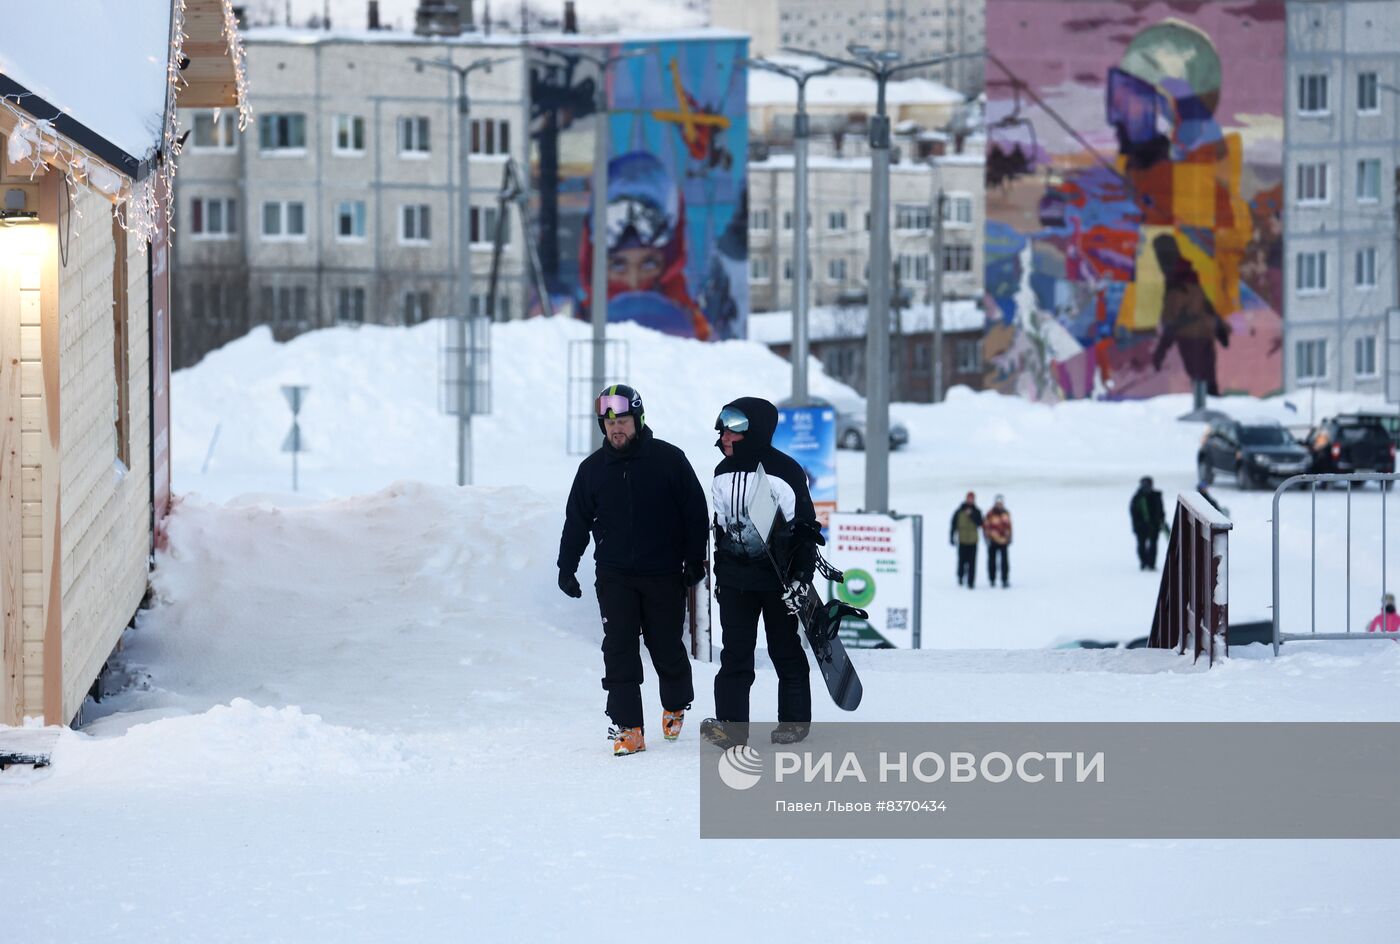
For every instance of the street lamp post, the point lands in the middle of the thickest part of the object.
(598, 221)
(801, 274)
(464, 250)
(882, 65)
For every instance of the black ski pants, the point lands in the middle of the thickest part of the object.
(1147, 549)
(638, 609)
(739, 611)
(997, 552)
(967, 564)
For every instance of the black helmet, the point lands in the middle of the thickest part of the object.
(619, 400)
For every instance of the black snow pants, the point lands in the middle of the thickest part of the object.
(636, 609)
(739, 611)
(995, 551)
(967, 564)
(1147, 549)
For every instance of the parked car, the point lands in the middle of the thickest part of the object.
(850, 423)
(1352, 442)
(1256, 454)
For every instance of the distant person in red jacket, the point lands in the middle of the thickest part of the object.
(1387, 620)
(996, 527)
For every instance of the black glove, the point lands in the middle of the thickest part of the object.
(569, 584)
(693, 572)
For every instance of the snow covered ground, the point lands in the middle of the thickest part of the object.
(366, 713)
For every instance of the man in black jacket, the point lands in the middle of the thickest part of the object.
(1149, 518)
(748, 585)
(640, 500)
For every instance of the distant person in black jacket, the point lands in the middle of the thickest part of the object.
(749, 587)
(1149, 519)
(640, 500)
(963, 531)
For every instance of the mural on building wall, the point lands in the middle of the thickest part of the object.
(677, 219)
(1134, 197)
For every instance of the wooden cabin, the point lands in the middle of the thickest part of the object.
(87, 112)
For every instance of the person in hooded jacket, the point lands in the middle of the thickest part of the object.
(644, 507)
(748, 586)
(962, 532)
(1149, 519)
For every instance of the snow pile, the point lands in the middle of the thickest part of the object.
(399, 14)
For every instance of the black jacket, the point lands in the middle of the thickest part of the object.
(740, 559)
(1146, 511)
(644, 508)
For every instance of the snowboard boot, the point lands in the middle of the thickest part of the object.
(671, 722)
(725, 734)
(790, 732)
(627, 741)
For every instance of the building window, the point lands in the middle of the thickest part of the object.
(1311, 360)
(490, 136)
(483, 226)
(787, 270)
(914, 216)
(350, 221)
(758, 220)
(1366, 267)
(1368, 181)
(349, 134)
(284, 219)
(350, 305)
(502, 311)
(867, 221)
(413, 137)
(285, 305)
(282, 131)
(414, 228)
(417, 307)
(759, 269)
(1366, 357)
(957, 258)
(968, 356)
(788, 216)
(836, 270)
(836, 220)
(213, 217)
(215, 135)
(1368, 100)
(1312, 94)
(957, 210)
(1311, 273)
(1312, 183)
(913, 267)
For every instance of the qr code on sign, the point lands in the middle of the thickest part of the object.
(897, 618)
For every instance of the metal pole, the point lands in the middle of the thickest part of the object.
(464, 281)
(598, 308)
(1348, 555)
(801, 133)
(937, 271)
(877, 339)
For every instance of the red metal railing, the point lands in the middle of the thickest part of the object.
(1193, 601)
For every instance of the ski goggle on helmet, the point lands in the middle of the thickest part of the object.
(732, 420)
(619, 400)
(646, 222)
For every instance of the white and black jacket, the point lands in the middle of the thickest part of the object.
(740, 559)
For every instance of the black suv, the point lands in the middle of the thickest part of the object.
(1255, 453)
(1352, 442)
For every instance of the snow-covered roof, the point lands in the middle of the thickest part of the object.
(103, 63)
(636, 14)
(769, 88)
(827, 323)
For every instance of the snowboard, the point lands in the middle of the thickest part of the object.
(821, 621)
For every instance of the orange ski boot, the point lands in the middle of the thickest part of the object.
(627, 741)
(671, 722)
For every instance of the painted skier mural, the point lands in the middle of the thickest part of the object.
(1134, 197)
(677, 230)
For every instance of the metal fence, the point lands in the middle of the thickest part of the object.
(1193, 600)
(1384, 480)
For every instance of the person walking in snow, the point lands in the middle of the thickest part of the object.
(1149, 520)
(963, 531)
(1387, 620)
(748, 587)
(641, 502)
(996, 528)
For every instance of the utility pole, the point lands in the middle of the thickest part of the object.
(881, 65)
(464, 252)
(801, 275)
(598, 220)
(936, 294)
